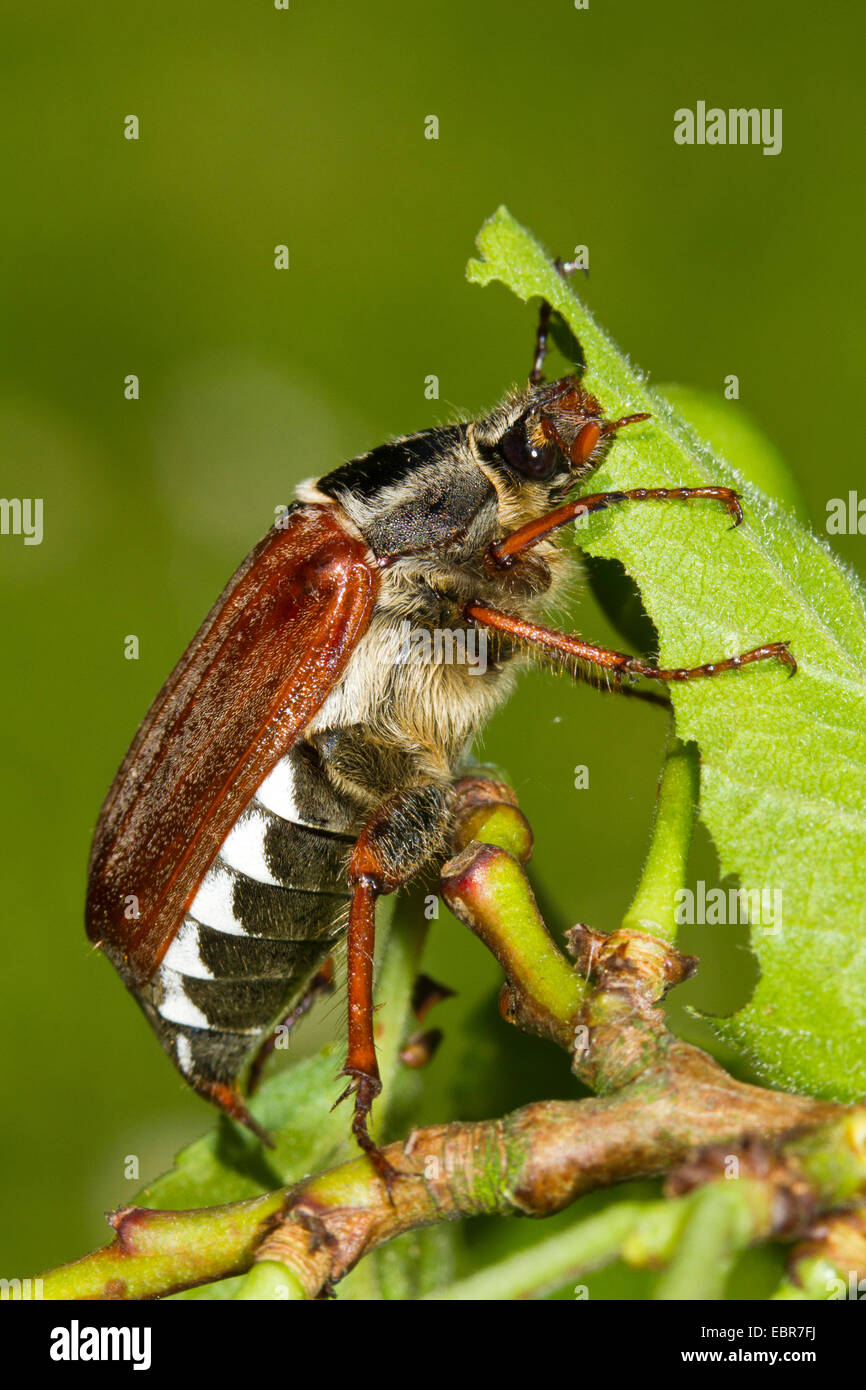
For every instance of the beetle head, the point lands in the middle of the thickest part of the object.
(555, 435)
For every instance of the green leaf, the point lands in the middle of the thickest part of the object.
(783, 761)
(228, 1164)
(733, 435)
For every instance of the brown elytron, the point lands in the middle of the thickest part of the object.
(233, 705)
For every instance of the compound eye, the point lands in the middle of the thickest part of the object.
(523, 457)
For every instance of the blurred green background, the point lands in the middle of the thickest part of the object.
(155, 257)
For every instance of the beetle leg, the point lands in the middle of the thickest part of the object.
(229, 1099)
(361, 1065)
(536, 376)
(568, 649)
(502, 553)
(395, 844)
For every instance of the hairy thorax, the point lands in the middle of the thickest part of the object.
(423, 680)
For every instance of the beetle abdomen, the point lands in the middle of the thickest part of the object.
(264, 919)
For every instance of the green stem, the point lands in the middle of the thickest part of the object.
(833, 1158)
(545, 1267)
(723, 1220)
(488, 891)
(271, 1281)
(654, 1238)
(653, 906)
(160, 1251)
(815, 1280)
